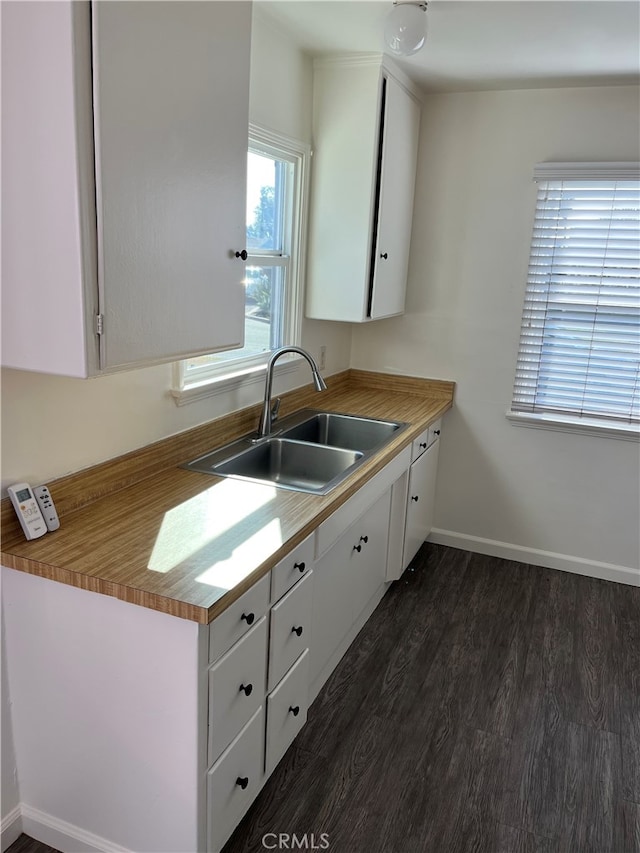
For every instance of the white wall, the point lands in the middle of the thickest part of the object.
(565, 493)
(52, 426)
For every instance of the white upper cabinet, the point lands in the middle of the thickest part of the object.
(366, 128)
(125, 129)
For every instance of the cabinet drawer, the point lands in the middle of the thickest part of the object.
(294, 566)
(234, 781)
(236, 688)
(290, 629)
(420, 444)
(237, 619)
(287, 711)
(330, 530)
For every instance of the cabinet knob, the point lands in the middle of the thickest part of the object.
(248, 618)
(423, 444)
(243, 781)
(300, 566)
(436, 432)
(414, 498)
(246, 689)
(384, 255)
(295, 710)
(297, 630)
(357, 548)
(364, 539)
(242, 254)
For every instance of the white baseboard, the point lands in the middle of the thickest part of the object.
(10, 828)
(62, 835)
(549, 559)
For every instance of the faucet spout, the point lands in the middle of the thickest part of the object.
(265, 424)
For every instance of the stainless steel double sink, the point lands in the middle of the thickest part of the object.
(309, 451)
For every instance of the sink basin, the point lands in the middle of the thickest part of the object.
(285, 463)
(310, 452)
(346, 431)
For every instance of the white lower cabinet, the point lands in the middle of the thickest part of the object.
(286, 711)
(321, 594)
(234, 781)
(420, 501)
(290, 629)
(236, 688)
(347, 576)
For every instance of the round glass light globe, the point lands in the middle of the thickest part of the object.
(405, 29)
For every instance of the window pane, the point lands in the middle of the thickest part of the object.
(265, 209)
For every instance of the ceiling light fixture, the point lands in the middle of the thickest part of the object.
(405, 28)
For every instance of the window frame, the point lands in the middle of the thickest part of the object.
(526, 409)
(207, 380)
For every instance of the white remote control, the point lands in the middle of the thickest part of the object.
(27, 510)
(47, 507)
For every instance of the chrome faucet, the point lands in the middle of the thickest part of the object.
(269, 414)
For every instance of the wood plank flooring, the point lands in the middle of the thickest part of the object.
(486, 707)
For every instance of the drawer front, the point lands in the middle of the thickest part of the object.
(236, 688)
(234, 781)
(420, 444)
(294, 566)
(237, 619)
(434, 431)
(290, 629)
(287, 711)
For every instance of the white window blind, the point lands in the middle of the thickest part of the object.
(579, 352)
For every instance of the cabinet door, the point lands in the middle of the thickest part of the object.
(368, 567)
(395, 205)
(171, 112)
(420, 502)
(331, 604)
(345, 580)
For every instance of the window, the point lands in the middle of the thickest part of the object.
(276, 184)
(579, 355)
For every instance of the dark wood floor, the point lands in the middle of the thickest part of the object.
(487, 707)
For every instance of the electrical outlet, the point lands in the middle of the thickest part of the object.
(323, 357)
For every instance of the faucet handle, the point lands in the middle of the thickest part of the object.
(275, 409)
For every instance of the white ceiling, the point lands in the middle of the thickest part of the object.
(483, 44)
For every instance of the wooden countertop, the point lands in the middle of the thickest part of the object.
(143, 530)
